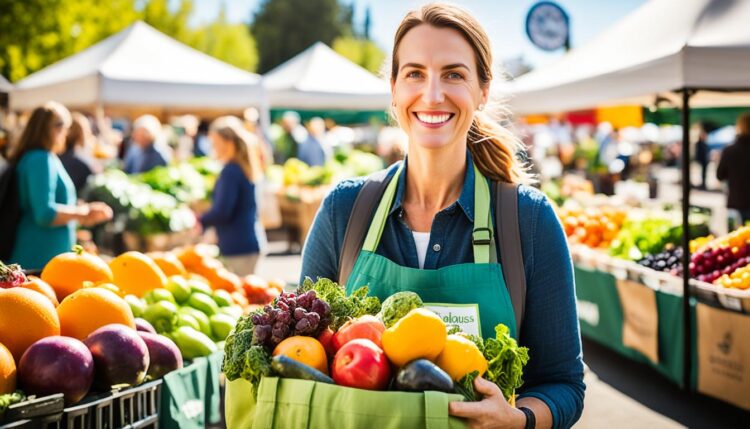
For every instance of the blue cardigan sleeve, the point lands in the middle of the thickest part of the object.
(550, 328)
(41, 175)
(226, 192)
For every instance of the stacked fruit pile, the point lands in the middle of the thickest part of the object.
(594, 227)
(86, 321)
(320, 334)
(670, 260)
(724, 261)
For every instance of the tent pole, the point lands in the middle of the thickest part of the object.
(687, 325)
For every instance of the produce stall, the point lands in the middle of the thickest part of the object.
(300, 188)
(628, 269)
(133, 342)
(154, 211)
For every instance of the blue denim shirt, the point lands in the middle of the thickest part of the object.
(554, 373)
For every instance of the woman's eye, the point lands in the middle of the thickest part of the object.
(413, 74)
(454, 75)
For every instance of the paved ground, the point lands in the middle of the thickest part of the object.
(620, 393)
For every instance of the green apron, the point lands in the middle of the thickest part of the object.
(458, 293)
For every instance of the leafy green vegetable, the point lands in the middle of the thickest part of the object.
(9, 399)
(505, 360)
(397, 306)
(465, 386)
(241, 358)
(343, 307)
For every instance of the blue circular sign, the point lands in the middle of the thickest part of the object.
(548, 26)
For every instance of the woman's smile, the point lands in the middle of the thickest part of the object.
(433, 119)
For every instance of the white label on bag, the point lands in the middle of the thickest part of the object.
(465, 316)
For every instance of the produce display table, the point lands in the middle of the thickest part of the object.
(652, 332)
(602, 319)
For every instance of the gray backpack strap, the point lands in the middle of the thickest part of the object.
(508, 234)
(359, 222)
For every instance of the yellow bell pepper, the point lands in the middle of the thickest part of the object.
(419, 334)
(461, 356)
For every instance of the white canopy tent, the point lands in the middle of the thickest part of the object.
(5, 86)
(140, 68)
(662, 47)
(319, 78)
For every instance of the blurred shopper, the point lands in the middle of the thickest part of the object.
(315, 149)
(734, 167)
(287, 145)
(47, 197)
(234, 212)
(144, 155)
(74, 159)
(701, 149)
(202, 145)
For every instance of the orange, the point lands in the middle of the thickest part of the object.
(306, 350)
(66, 272)
(7, 371)
(86, 310)
(36, 284)
(168, 262)
(192, 255)
(109, 286)
(26, 316)
(136, 273)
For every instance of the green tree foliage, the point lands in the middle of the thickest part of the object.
(37, 33)
(284, 28)
(362, 52)
(231, 43)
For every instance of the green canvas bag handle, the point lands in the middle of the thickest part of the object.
(507, 234)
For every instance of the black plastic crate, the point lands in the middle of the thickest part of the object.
(138, 407)
(18, 415)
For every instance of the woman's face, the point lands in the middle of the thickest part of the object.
(223, 149)
(58, 133)
(437, 88)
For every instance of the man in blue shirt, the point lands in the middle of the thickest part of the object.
(143, 154)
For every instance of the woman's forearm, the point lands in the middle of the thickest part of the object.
(67, 214)
(541, 411)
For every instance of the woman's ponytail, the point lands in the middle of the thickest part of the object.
(494, 149)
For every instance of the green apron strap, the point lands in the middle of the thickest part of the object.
(436, 410)
(381, 215)
(482, 234)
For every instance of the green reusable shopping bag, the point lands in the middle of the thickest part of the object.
(213, 374)
(183, 397)
(291, 403)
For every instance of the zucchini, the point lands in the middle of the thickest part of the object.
(287, 367)
(421, 375)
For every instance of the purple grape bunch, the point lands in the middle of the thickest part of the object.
(290, 315)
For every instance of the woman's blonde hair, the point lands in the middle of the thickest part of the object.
(743, 123)
(247, 150)
(38, 131)
(492, 145)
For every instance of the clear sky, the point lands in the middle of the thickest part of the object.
(504, 20)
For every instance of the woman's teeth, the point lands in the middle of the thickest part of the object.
(433, 119)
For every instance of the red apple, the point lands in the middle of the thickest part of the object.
(361, 364)
(367, 327)
(326, 338)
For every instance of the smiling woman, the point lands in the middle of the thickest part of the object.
(458, 150)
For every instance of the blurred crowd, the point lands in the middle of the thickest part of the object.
(48, 156)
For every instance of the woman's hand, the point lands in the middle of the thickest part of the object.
(491, 412)
(98, 212)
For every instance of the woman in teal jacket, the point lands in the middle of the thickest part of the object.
(47, 197)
